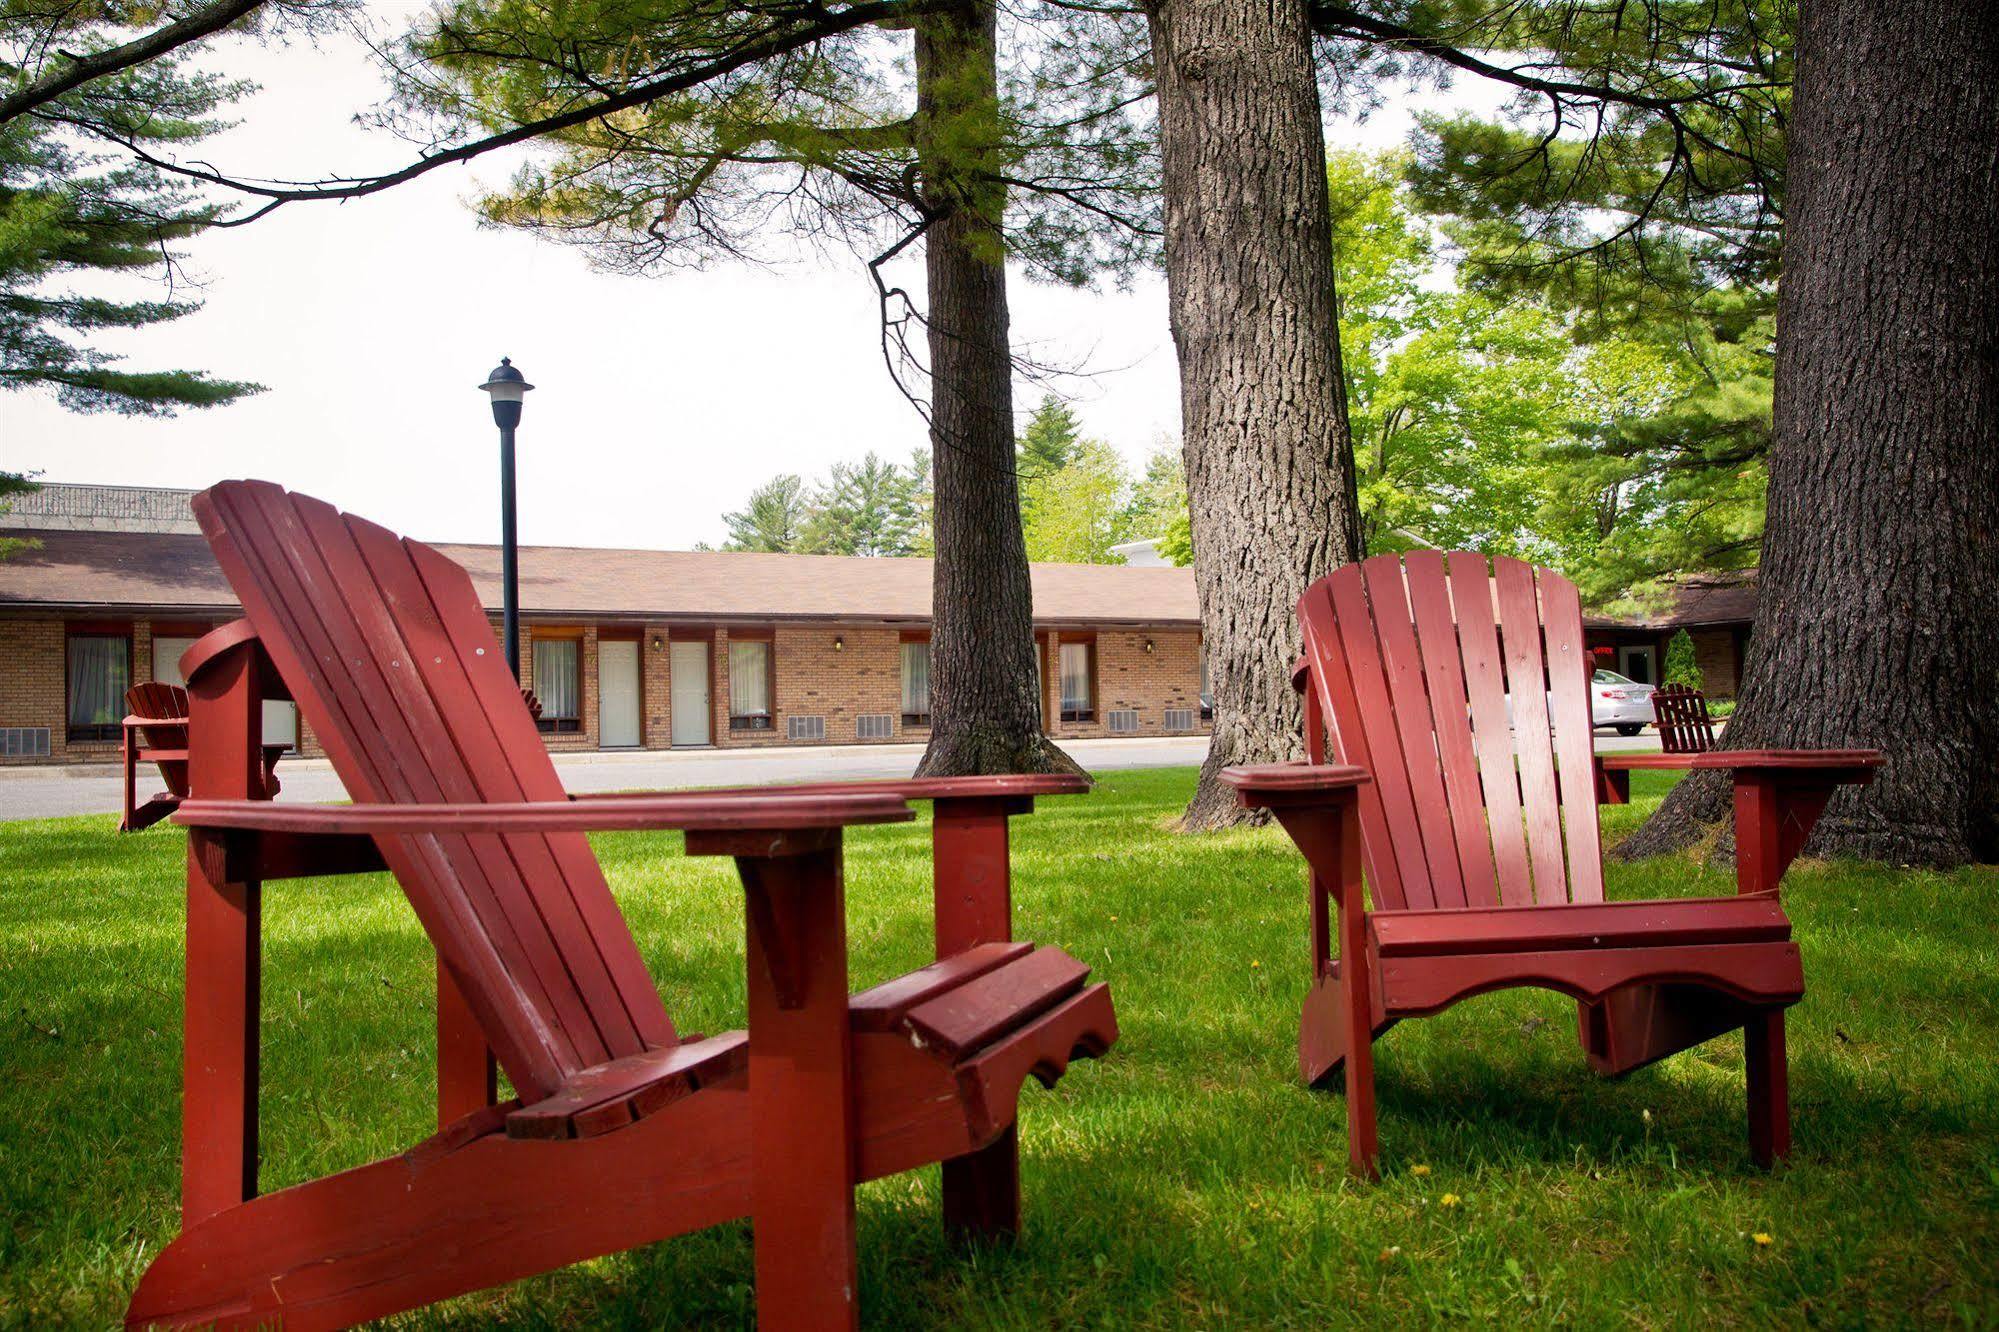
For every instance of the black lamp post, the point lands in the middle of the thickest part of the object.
(507, 387)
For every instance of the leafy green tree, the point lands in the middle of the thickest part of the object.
(1043, 448)
(1451, 396)
(1158, 506)
(1683, 667)
(72, 216)
(865, 508)
(1079, 512)
(1051, 435)
(1636, 188)
(1489, 416)
(923, 539)
(773, 520)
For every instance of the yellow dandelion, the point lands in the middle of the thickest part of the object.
(1449, 1200)
(1764, 1239)
(1255, 964)
(1419, 1171)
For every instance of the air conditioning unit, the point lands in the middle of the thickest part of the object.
(805, 728)
(875, 728)
(1179, 719)
(1123, 723)
(24, 742)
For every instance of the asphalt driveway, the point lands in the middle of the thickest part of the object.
(93, 788)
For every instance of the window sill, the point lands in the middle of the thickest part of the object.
(559, 726)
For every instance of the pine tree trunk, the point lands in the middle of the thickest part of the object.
(1249, 270)
(985, 710)
(1878, 618)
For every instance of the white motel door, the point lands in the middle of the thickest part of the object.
(689, 689)
(617, 692)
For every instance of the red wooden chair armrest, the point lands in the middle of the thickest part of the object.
(1837, 765)
(1261, 785)
(689, 813)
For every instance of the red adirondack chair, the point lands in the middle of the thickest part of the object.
(1684, 728)
(1481, 843)
(155, 731)
(622, 1131)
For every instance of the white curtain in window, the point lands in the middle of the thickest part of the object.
(916, 679)
(557, 678)
(99, 671)
(749, 679)
(167, 653)
(1075, 677)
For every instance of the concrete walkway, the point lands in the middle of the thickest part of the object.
(93, 788)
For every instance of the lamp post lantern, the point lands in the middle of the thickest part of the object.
(507, 387)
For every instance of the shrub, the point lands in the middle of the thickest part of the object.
(1682, 667)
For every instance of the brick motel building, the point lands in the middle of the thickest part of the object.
(626, 649)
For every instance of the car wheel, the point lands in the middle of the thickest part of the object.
(1629, 730)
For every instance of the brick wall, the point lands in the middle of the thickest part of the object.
(1715, 653)
(34, 685)
(31, 680)
(1131, 679)
(810, 678)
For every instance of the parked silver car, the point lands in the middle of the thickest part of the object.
(1617, 701)
(1613, 701)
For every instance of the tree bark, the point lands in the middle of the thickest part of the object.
(985, 709)
(1249, 271)
(1878, 618)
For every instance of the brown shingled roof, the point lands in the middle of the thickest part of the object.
(1694, 600)
(166, 571)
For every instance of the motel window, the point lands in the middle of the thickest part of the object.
(100, 669)
(749, 686)
(1079, 703)
(916, 683)
(558, 684)
(280, 714)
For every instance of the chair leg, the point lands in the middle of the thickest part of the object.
(803, 1140)
(1363, 1149)
(982, 1190)
(1769, 1088)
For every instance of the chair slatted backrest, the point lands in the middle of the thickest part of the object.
(155, 698)
(1684, 724)
(1414, 658)
(390, 657)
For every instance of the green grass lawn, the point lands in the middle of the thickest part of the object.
(1185, 1181)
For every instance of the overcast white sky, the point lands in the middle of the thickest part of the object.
(660, 401)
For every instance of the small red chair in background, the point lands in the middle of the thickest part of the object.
(1684, 728)
(1684, 724)
(155, 731)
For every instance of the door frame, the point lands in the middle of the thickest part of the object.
(1649, 651)
(706, 642)
(637, 639)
